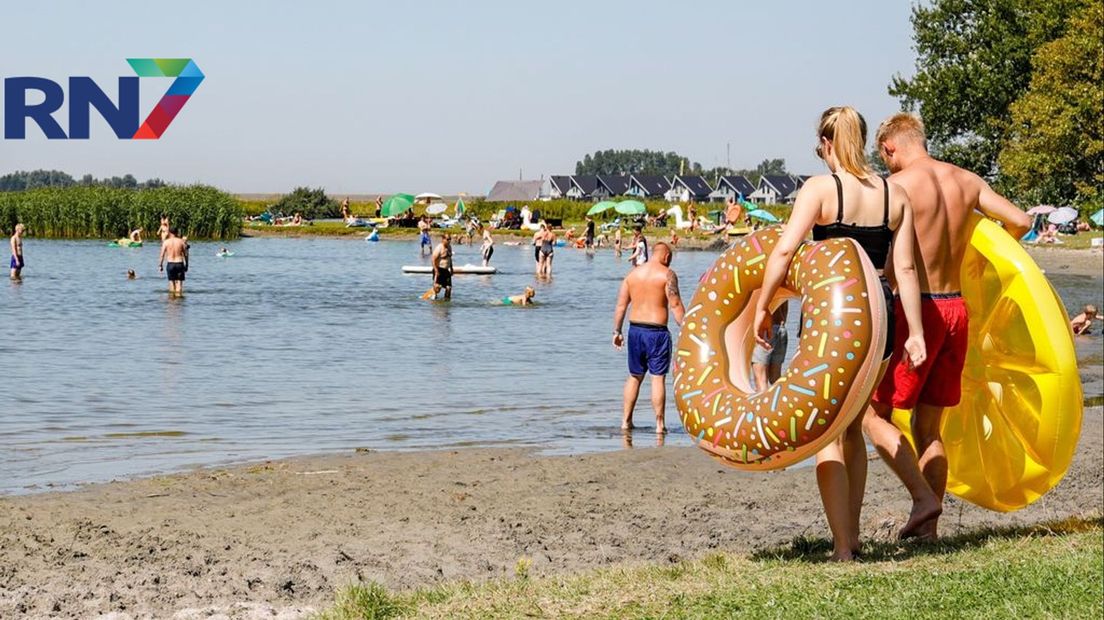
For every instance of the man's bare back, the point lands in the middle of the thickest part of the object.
(943, 197)
(650, 287)
(173, 250)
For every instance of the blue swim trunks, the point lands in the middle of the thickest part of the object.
(17, 262)
(649, 349)
(425, 238)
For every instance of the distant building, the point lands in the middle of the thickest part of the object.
(586, 187)
(647, 186)
(685, 188)
(732, 186)
(559, 186)
(518, 191)
(775, 189)
(616, 185)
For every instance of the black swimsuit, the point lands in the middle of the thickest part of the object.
(874, 240)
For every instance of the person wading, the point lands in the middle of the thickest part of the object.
(650, 290)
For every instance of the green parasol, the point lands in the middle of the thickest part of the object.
(630, 207)
(600, 207)
(399, 203)
(1098, 218)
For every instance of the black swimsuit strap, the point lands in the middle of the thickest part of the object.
(839, 198)
(885, 219)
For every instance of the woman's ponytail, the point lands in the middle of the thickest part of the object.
(846, 129)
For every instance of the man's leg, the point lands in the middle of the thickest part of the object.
(659, 401)
(632, 390)
(896, 451)
(926, 425)
(448, 292)
(831, 475)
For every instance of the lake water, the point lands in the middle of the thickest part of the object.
(302, 346)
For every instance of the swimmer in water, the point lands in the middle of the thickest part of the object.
(131, 275)
(525, 299)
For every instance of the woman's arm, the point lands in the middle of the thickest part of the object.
(805, 212)
(908, 284)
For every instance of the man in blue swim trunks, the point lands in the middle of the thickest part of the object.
(651, 289)
(423, 228)
(17, 262)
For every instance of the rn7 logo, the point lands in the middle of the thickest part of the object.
(84, 94)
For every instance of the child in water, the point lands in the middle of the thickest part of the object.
(525, 299)
(1082, 323)
(131, 275)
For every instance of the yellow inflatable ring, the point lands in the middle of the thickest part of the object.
(827, 384)
(1013, 436)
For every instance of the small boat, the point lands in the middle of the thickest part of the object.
(456, 270)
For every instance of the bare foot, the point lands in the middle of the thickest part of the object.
(922, 513)
(627, 426)
(661, 430)
(842, 556)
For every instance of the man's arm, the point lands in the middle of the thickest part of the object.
(674, 299)
(993, 205)
(14, 248)
(619, 313)
(161, 258)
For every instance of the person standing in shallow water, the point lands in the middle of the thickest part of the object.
(17, 262)
(650, 289)
(173, 261)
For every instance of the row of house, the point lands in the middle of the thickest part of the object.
(772, 189)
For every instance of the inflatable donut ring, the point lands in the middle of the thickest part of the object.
(829, 380)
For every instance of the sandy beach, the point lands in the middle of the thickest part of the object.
(277, 538)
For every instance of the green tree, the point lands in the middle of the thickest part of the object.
(1055, 150)
(973, 62)
(310, 202)
(636, 161)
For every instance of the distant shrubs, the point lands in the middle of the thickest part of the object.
(197, 211)
(311, 203)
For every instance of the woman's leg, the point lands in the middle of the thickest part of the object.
(831, 474)
(854, 458)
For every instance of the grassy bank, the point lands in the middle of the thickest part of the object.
(198, 211)
(1044, 571)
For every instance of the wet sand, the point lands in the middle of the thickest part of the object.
(275, 539)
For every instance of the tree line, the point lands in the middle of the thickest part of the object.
(1011, 89)
(23, 180)
(668, 164)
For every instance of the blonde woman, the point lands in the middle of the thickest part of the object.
(850, 202)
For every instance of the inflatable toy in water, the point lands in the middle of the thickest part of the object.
(124, 243)
(373, 236)
(1013, 436)
(828, 382)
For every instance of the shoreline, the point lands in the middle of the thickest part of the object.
(281, 536)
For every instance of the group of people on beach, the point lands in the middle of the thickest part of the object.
(920, 211)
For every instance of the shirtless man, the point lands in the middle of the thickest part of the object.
(651, 289)
(943, 197)
(163, 229)
(442, 267)
(17, 263)
(425, 244)
(174, 261)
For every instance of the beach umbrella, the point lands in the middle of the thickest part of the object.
(436, 208)
(427, 196)
(460, 208)
(1041, 210)
(1098, 218)
(399, 203)
(600, 207)
(761, 214)
(630, 207)
(1062, 216)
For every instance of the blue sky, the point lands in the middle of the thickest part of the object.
(361, 97)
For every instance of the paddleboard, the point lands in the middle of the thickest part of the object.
(1013, 436)
(456, 270)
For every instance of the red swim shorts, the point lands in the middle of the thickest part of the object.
(938, 381)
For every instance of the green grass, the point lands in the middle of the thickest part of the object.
(1052, 570)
